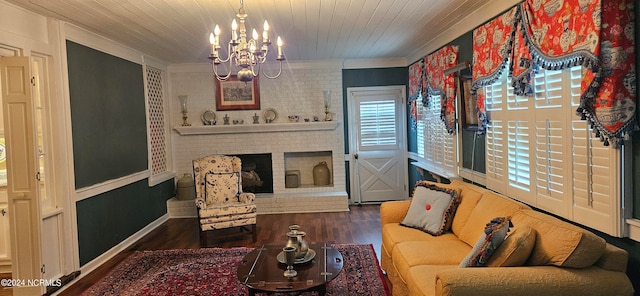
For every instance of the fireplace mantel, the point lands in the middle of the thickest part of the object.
(256, 128)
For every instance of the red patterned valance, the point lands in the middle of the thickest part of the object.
(492, 48)
(445, 85)
(556, 35)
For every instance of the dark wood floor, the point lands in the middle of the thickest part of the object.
(361, 225)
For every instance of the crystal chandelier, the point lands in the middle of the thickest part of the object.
(242, 53)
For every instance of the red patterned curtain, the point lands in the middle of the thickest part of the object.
(559, 34)
(417, 80)
(492, 48)
(417, 87)
(611, 108)
(437, 82)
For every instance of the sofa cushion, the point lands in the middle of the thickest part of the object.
(560, 243)
(515, 249)
(432, 208)
(393, 234)
(469, 200)
(493, 236)
(408, 254)
(490, 206)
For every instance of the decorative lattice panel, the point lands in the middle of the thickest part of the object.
(156, 121)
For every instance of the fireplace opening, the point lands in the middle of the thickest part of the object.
(257, 173)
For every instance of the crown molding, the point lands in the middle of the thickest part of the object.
(374, 63)
(468, 23)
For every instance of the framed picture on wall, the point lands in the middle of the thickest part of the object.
(233, 94)
(469, 106)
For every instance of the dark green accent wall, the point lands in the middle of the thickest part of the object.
(109, 135)
(108, 117)
(473, 151)
(107, 219)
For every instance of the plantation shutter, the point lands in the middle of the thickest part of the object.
(378, 124)
(420, 129)
(518, 164)
(541, 153)
(495, 161)
(552, 183)
(431, 119)
(596, 175)
(519, 120)
(595, 186)
(440, 152)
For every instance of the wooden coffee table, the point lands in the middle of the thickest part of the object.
(261, 272)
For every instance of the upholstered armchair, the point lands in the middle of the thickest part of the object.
(219, 199)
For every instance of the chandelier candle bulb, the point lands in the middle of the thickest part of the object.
(234, 33)
(212, 40)
(265, 33)
(280, 56)
(216, 32)
(255, 35)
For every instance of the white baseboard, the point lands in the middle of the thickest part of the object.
(106, 256)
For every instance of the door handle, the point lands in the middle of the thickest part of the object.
(4, 212)
(355, 156)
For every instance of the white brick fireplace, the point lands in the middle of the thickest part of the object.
(298, 91)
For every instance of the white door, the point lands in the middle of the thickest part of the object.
(22, 174)
(377, 143)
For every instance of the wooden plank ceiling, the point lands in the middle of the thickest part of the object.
(177, 31)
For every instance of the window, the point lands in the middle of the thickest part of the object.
(420, 131)
(541, 153)
(377, 124)
(436, 148)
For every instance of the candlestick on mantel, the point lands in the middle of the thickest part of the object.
(327, 104)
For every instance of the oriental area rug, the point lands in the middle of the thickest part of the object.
(212, 271)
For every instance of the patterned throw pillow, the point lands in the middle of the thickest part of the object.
(432, 208)
(220, 188)
(494, 234)
(515, 249)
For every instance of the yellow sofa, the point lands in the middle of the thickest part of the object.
(563, 259)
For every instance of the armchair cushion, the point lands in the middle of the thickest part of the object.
(228, 209)
(221, 187)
